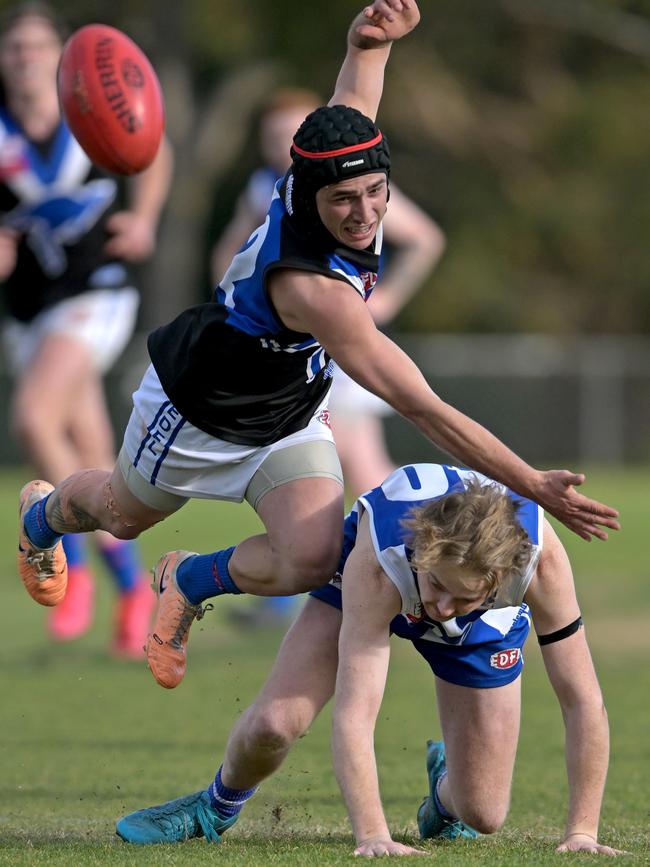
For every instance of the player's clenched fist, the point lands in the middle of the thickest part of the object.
(382, 22)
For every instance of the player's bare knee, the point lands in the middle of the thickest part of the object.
(31, 427)
(119, 530)
(271, 731)
(486, 818)
(116, 520)
(308, 569)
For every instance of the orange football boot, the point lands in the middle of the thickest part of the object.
(44, 571)
(166, 644)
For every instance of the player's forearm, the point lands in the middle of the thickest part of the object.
(361, 80)
(474, 446)
(356, 771)
(389, 373)
(587, 759)
(150, 188)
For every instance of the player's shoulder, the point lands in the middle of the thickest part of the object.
(379, 571)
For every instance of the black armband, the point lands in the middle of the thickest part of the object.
(560, 634)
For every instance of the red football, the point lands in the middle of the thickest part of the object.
(111, 99)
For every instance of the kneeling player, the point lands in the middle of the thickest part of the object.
(453, 562)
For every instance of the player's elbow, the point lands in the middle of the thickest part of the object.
(307, 564)
(436, 242)
(582, 699)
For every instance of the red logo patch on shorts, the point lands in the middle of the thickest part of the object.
(324, 417)
(506, 658)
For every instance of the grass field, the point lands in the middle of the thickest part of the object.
(84, 739)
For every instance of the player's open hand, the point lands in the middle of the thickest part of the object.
(132, 236)
(585, 843)
(382, 22)
(380, 846)
(557, 494)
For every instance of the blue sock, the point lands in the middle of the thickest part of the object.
(74, 546)
(227, 802)
(206, 575)
(39, 532)
(122, 560)
(444, 812)
(281, 606)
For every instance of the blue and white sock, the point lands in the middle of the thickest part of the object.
(444, 812)
(122, 560)
(74, 546)
(227, 802)
(206, 575)
(38, 531)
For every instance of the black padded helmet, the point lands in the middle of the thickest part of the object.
(333, 143)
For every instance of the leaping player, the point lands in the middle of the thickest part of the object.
(234, 403)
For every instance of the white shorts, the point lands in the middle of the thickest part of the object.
(103, 320)
(348, 398)
(174, 457)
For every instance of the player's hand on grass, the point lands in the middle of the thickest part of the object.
(557, 495)
(382, 22)
(132, 238)
(379, 846)
(586, 843)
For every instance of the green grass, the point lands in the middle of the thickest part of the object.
(85, 739)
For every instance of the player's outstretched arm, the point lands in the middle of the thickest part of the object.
(369, 604)
(361, 80)
(340, 321)
(554, 607)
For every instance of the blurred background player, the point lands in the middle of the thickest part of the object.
(70, 306)
(413, 244)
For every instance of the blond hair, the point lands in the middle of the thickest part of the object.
(476, 528)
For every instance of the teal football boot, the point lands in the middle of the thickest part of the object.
(175, 822)
(431, 823)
